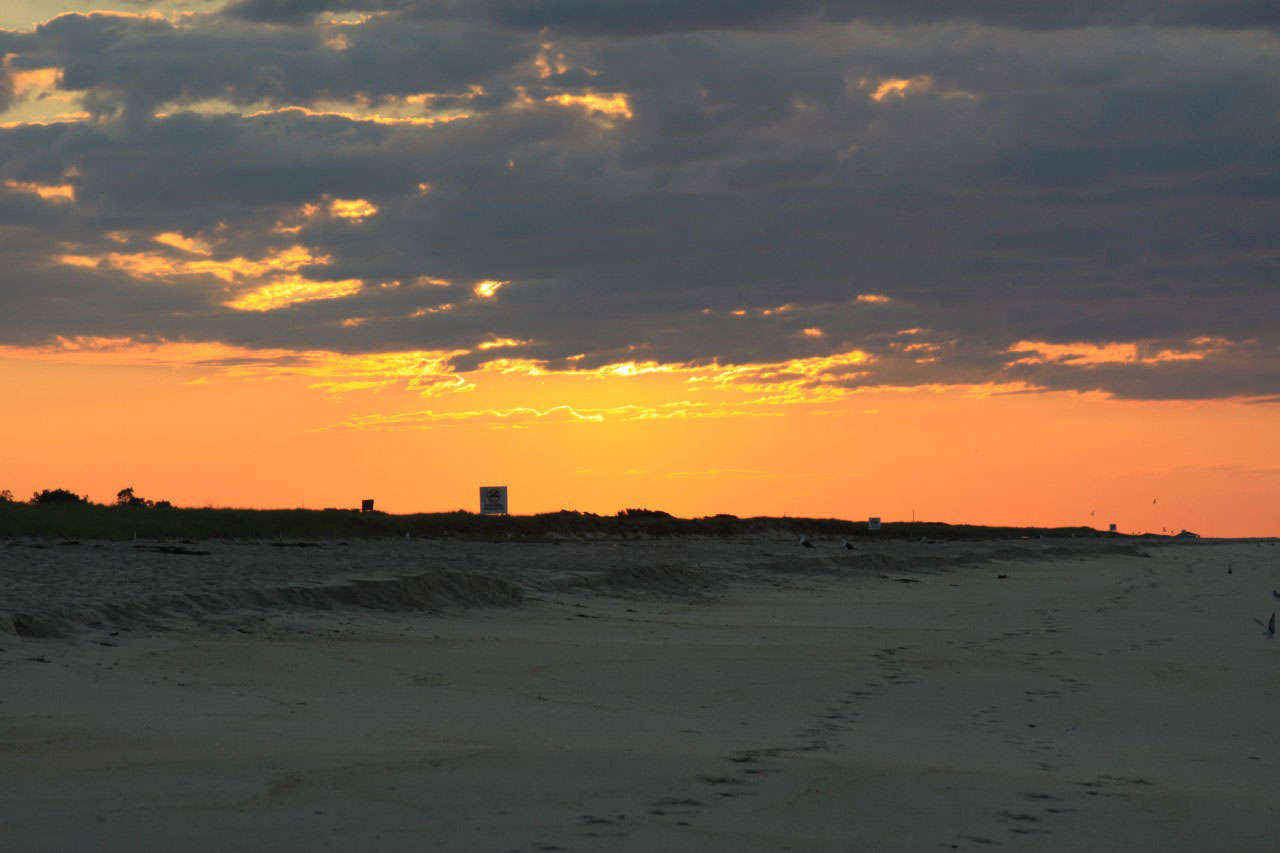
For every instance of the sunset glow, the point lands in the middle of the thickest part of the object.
(818, 261)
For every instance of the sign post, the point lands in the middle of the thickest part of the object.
(873, 523)
(366, 505)
(493, 500)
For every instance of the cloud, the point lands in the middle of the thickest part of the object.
(522, 416)
(729, 186)
(664, 17)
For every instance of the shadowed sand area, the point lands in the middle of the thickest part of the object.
(672, 694)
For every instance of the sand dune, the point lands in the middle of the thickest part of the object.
(57, 588)
(639, 696)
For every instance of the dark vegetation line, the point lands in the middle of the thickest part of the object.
(79, 519)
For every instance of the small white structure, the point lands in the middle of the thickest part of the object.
(873, 523)
(493, 500)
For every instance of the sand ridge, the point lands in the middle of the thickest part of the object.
(49, 589)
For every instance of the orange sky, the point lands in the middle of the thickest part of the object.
(756, 258)
(269, 436)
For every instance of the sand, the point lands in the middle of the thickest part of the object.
(683, 695)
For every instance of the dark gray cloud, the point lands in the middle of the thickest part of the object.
(1002, 174)
(1224, 14)
(650, 17)
(303, 11)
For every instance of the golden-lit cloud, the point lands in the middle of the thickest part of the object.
(425, 372)
(501, 343)
(488, 289)
(186, 244)
(718, 390)
(354, 385)
(886, 89)
(633, 368)
(514, 366)
(293, 221)
(432, 309)
(1085, 354)
(155, 265)
(349, 209)
(550, 61)
(417, 109)
(900, 87)
(356, 209)
(796, 375)
(34, 80)
(57, 193)
(801, 380)
(353, 113)
(290, 290)
(921, 352)
(97, 350)
(56, 118)
(263, 284)
(37, 100)
(335, 25)
(877, 298)
(523, 415)
(610, 104)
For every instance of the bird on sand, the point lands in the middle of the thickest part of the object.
(804, 541)
(848, 546)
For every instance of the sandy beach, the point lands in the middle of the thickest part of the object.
(738, 694)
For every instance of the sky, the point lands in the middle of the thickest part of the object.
(999, 262)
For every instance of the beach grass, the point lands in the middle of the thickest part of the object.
(95, 521)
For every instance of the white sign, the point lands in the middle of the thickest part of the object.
(873, 523)
(493, 500)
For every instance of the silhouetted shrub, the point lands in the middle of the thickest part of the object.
(643, 513)
(6, 496)
(126, 497)
(57, 496)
